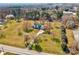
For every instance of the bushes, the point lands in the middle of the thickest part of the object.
(63, 29)
(63, 35)
(64, 38)
(19, 33)
(31, 47)
(38, 48)
(2, 35)
(5, 26)
(71, 24)
(28, 30)
(47, 32)
(65, 48)
(56, 40)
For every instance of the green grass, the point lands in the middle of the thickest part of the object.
(11, 34)
(50, 46)
(51, 43)
(48, 43)
(70, 37)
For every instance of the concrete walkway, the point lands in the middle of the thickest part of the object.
(20, 51)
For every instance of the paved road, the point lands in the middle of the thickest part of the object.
(76, 34)
(20, 51)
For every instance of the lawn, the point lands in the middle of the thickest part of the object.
(49, 43)
(52, 43)
(70, 37)
(11, 34)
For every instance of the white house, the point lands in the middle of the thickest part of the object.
(10, 16)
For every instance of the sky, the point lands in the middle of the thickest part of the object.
(39, 1)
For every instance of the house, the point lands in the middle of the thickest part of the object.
(2, 21)
(38, 26)
(69, 18)
(10, 16)
(68, 15)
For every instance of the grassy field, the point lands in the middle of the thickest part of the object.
(11, 34)
(50, 43)
(70, 37)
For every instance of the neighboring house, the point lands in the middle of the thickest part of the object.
(10, 16)
(69, 18)
(2, 21)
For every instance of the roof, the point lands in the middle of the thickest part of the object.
(1, 20)
(10, 15)
(68, 12)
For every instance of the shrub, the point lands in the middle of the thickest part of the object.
(28, 30)
(19, 33)
(26, 44)
(63, 29)
(5, 27)
(38, 48)
(64, 38)
(71, 24)
(2, 35)
(45, 39)
(65, 48)
(31, 47)
(56, 40)
(47, 32)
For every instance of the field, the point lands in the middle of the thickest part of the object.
(70, 37)
(52, 43)
(11, 34)
(49, 43)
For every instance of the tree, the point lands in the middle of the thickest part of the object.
(59, 14)
(2, 35)
(78, 15)
(26, 39)
(27, 27)
(63, 29)
(38, 48)
(34, 15)
(56, 7)
(64, 38)
(71, 24)
(65, 48)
